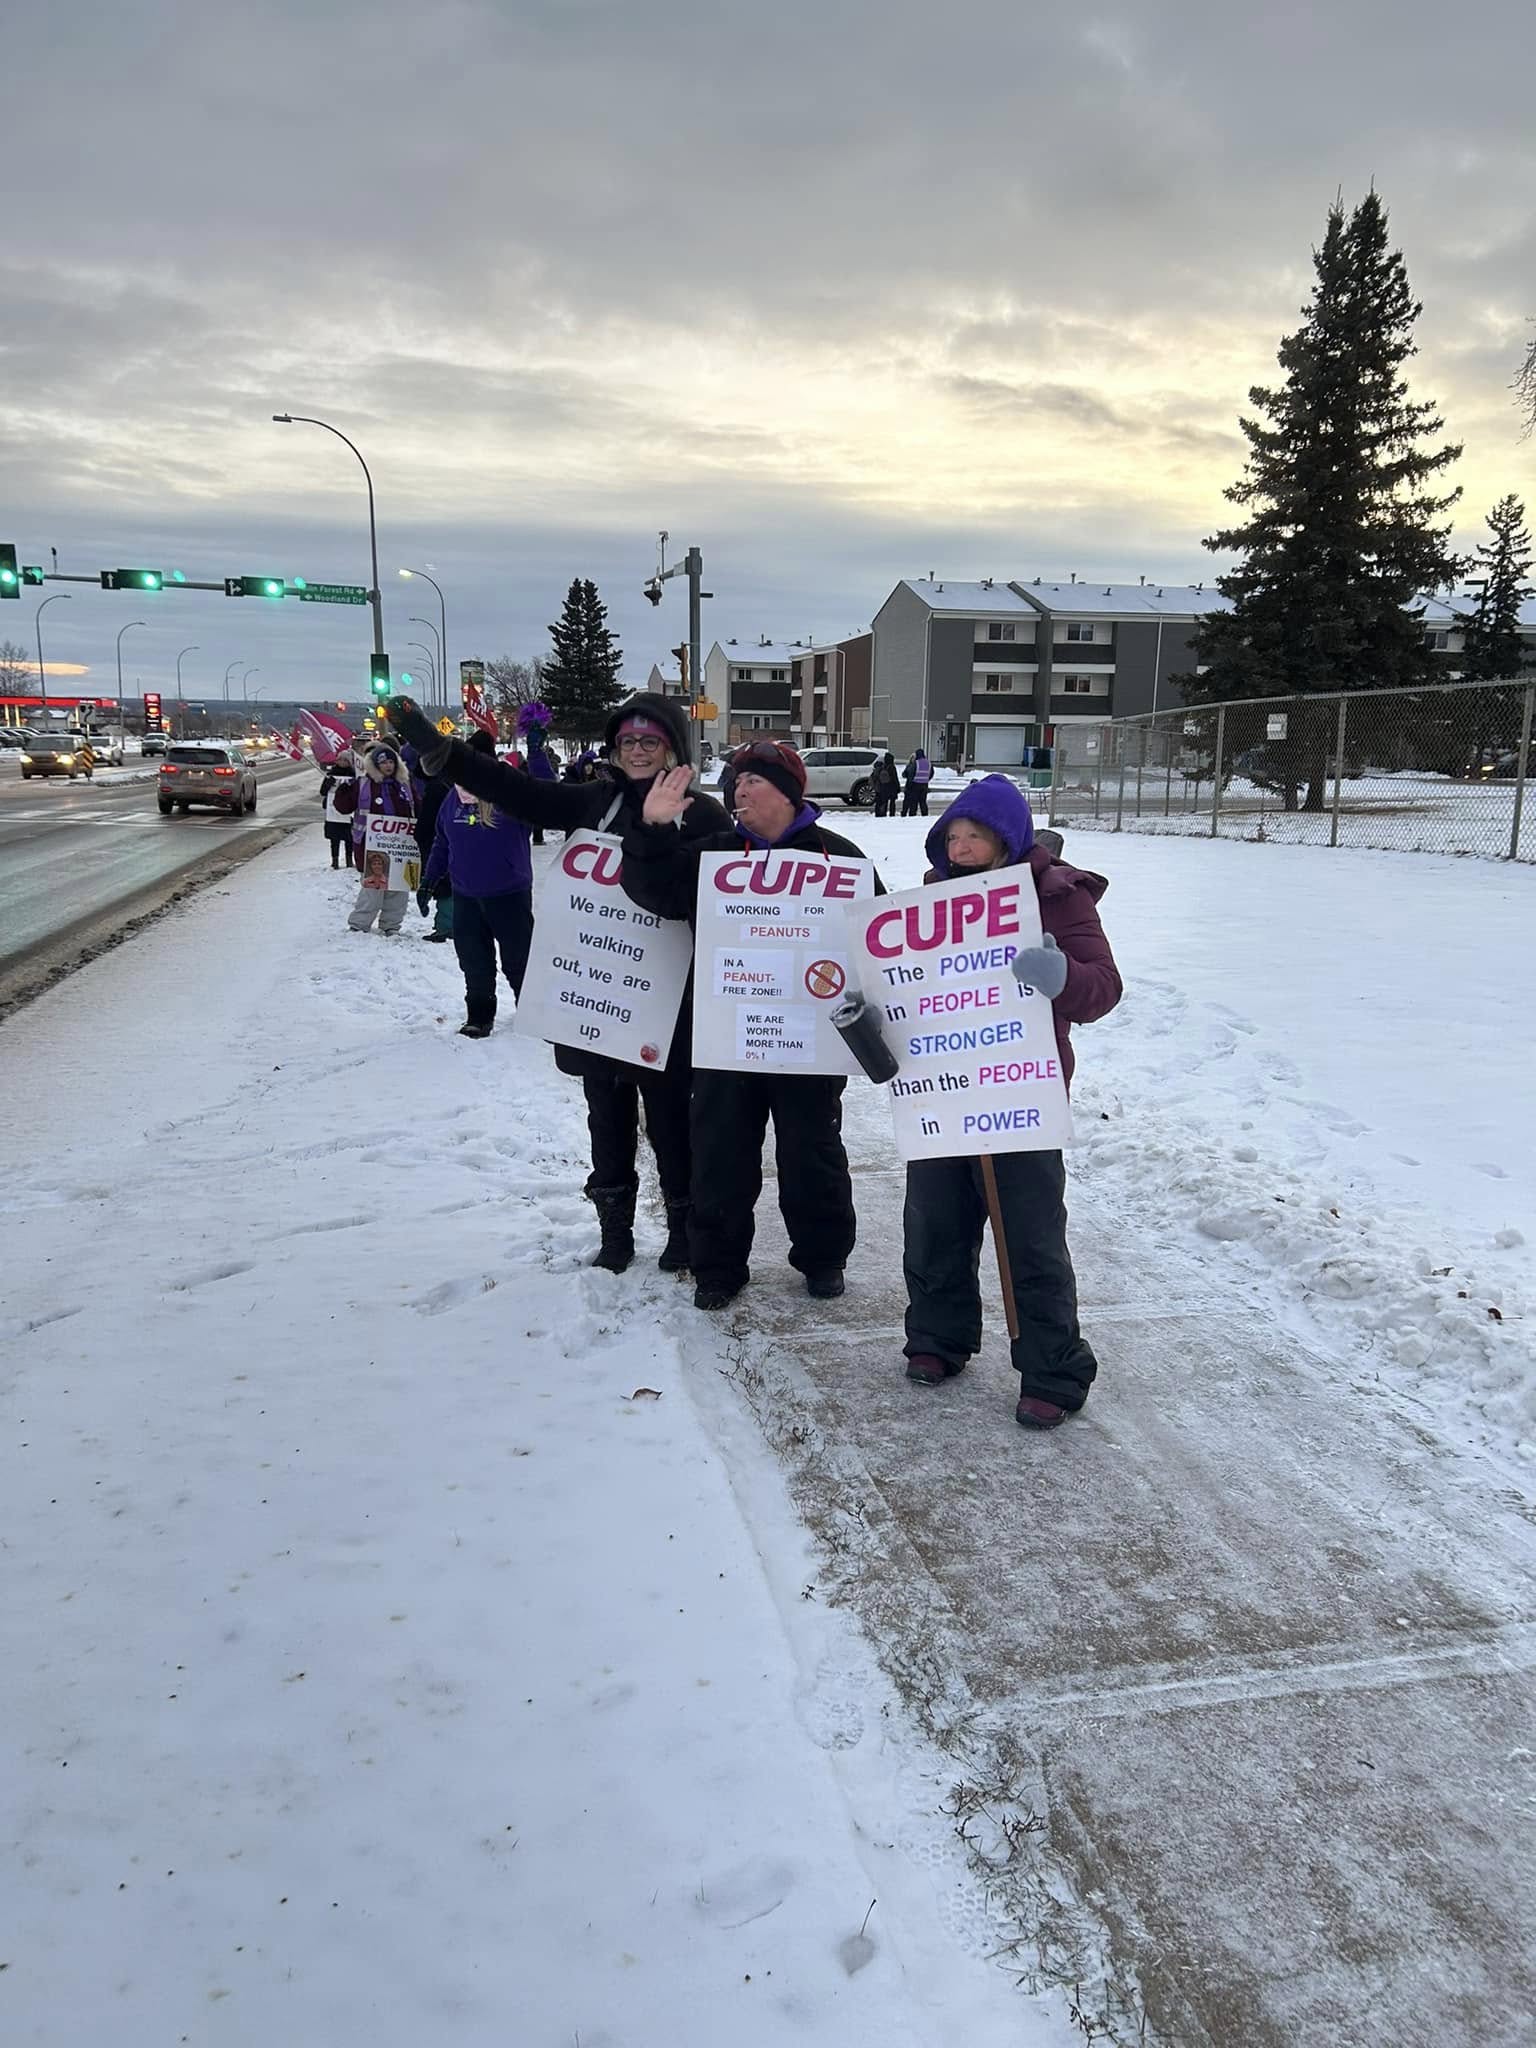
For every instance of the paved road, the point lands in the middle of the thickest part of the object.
(72, 850)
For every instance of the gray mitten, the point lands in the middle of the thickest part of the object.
(1042, 967)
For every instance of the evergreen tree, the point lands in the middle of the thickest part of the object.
(1494, 649)
(580, 681)
(1340, 532)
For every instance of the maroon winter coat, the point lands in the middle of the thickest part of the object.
(1068, 897)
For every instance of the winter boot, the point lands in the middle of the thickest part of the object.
(481, 1018)
(674, 1253)
(1032, 1413)
(825, 1283)
(616, 1217)
(929, 1370)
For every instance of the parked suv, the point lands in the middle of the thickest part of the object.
(846, 772)
(219, 778)
(53, 753)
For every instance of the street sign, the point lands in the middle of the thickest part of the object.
(446, 727)
(329, 593)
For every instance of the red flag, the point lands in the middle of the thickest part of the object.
(328, 737)
(279, 739)
(475, 709)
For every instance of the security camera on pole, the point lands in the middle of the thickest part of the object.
(691, 566)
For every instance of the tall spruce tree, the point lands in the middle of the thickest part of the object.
(1494, 648)
(580, 681)
(1341, 529)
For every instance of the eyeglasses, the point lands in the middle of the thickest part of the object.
(641, 743)
(763, 750)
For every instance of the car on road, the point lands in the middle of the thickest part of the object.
(11, 736)
(52, 753)
(107, 749)
(213, 777)
(846, 772)
(153, 743)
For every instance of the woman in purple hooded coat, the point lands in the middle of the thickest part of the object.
(989, 826)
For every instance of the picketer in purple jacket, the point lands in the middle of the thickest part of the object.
(988, 826)
(484, 853)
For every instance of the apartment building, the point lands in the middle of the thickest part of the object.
(1446, 620)
(983, 671)
(748, 682)
(829, 692)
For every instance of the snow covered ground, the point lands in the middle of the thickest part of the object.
(398, 1645)
(407, 1637)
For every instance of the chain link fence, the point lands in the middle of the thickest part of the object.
(1438, 770)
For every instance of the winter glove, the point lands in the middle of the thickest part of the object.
(423, 899)
(1042, 967)
(405, 717)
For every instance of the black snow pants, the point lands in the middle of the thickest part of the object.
(946, 1215)
(481, 924)
(614, 1094)
(730, 1123)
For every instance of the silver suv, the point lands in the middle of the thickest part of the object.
(846, 772)
(219, 778)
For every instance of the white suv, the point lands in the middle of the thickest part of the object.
(846, 772)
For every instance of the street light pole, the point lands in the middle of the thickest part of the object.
(416, 620)
(42, 673)
(180, 702)
(431, 667)
(122, 729)
(293, 419)
(227, 674)
(442, 606)
(252, 671)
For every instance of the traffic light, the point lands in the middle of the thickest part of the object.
(254, 586)
(10, 576)
(653, 591)
(31, 572)
(132, 579)
(378, 675)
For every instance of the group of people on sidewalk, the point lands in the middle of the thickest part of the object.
(707, 1127)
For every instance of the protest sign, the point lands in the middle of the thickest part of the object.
(390, 856)
(977, 1065)
(603, 974)
(771, 959)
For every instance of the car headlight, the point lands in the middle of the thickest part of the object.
(28, 759)
(66, 760)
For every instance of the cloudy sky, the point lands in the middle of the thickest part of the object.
(842, 291)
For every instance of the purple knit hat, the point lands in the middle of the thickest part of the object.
(998, 804)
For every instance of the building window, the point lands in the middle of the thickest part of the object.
(777, 675)
(1079, 629)
(998, 685)
(1439, 643)
(1001, 632)
(1084, 686)
(741, 675)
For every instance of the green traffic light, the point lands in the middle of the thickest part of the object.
(7, 576)
(272, 589)
(177, 576)
(405, 675)
(150, 579)
(299, 583)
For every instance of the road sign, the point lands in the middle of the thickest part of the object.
(446, 727)
(330, 593)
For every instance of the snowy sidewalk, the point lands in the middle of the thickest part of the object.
(398, 1645)
(380, 1668)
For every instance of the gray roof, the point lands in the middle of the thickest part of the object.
(750, 654)
(1461, 605)
(945, 595)
(1079, 600)
(1152, 600)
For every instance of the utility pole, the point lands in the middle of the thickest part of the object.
(691, 566)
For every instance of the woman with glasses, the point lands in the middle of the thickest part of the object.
(644, 738)
(764, 786)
